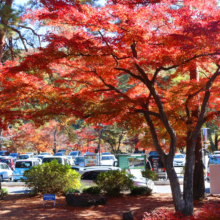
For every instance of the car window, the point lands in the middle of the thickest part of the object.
(1, 166)
(179, 156)
(79, 159)
(91, 175)
(23, 157)
(214, 160)
(108, 158)
(23, 164)
(5, 167)
(5, 161)
(48, 160)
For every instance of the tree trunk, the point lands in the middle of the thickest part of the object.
(198, 177)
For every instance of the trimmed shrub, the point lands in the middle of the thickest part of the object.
(92, 190)
(140, 190)
(114, 181)
(3, 193)
(71, 190)
(51, 178)
(150, 174)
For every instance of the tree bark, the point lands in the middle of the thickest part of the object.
(4, 22)
(198, 177)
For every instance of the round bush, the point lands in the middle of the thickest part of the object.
(51, 178)
(92, 190)
(140, 190)
(150, 174)
(3, 193)
(71, 190)
(114, 181)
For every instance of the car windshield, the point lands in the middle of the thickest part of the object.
(179, 156)
(41, 157)
(29, 153)
(79, 159)
(48, 160)
(106, 153)
(23, 164)
(23, 157)
(58, 154)
(5, 161)
(108, 158)
(153, 153)
(2, 152)
(214, 160)
(13, 154)
(73, 153)
(44, 153)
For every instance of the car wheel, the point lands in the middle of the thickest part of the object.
(1, 178)
(11, 178)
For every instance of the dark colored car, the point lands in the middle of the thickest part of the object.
(75, 153)
(4, 153)
(157, 164)
(14, 155)
(79, 160)
(62, 150)
(9, 161)
(59, 154)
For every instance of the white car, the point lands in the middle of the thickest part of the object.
(179, 160)
(216, 152)
(70, 158)
(139, 180)
(108, 160)
(88, 174)
(5, 172)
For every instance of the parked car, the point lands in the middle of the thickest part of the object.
(79, 161)
(21, 166)
(75, 153)
(214, 159)
(25, 156)
(5, 172)
(139, 180)
(179, 160)
(155, 159)
(14, 155)
(108, 160)
(70, 158)
(4, 153)
(88, 174)
(10, 161)
(106, 153)
(59, 154)
(41, 157)
(62, 150)
(216, 152)
(31, 153)
(45, 153)
(60, 159)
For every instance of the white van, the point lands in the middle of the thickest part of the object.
(60, 159)
(21, 166)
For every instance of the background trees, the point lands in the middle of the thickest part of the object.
(90, 49)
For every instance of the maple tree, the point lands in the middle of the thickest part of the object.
(90, 48)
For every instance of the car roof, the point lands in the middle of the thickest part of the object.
(3, 163)
(29, 160)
